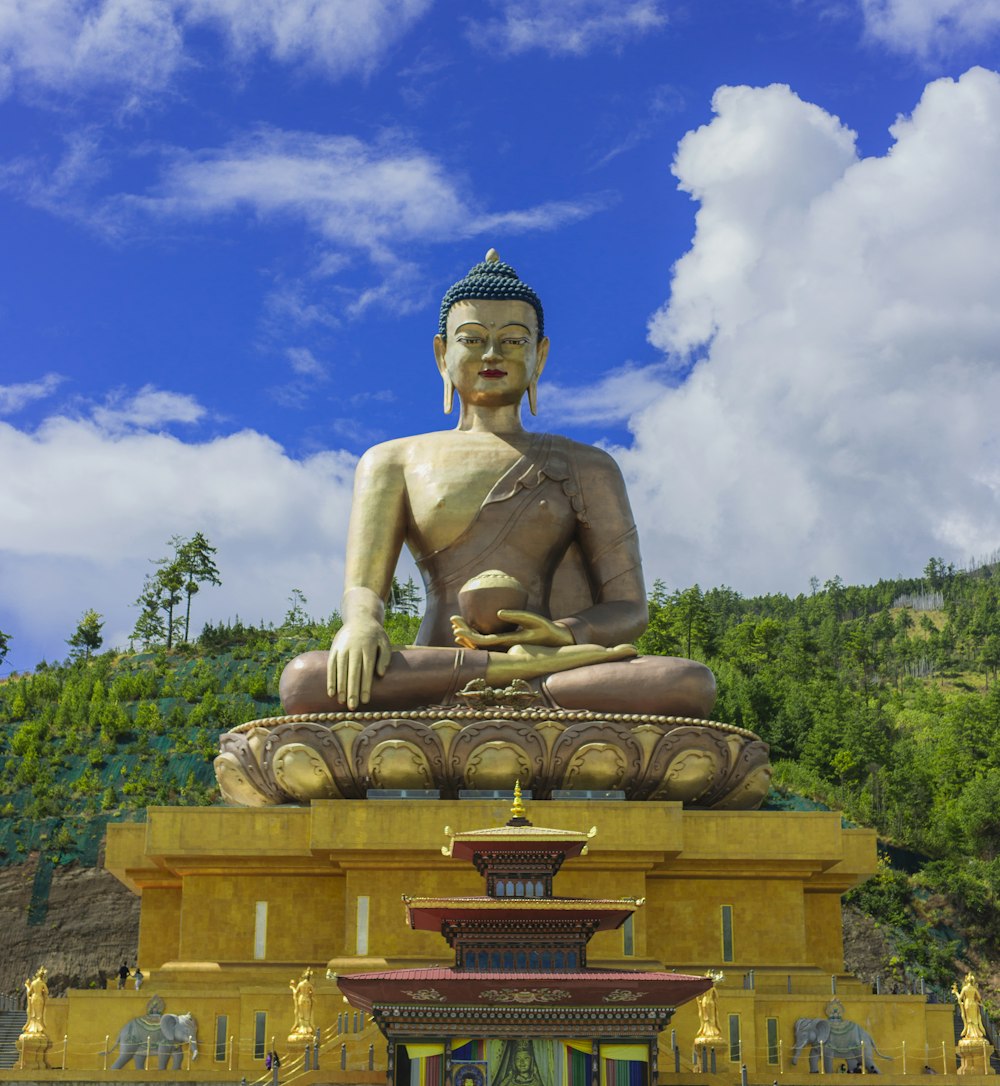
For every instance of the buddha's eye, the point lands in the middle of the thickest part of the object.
(470, 341)
(515, 341)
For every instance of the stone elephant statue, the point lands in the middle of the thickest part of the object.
(162, 1034)
(837, 1039)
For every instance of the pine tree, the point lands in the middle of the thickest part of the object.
(4, 645)
(168, 582)
(87, 637)
(149, 626)
(195, 559)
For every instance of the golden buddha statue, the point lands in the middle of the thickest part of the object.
(488, 504)
(549, 512)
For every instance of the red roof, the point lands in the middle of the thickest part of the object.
(440, 986)
(428, 914)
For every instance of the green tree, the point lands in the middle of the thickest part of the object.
(4, 645)
(404, 599)
(87, 636)
(296, 616)
(195, 561)
(168, 583)
(149, 627)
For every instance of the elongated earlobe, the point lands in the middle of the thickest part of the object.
(449, 395)
(533, 397)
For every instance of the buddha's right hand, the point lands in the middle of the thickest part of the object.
(531, 629)
(360, 651)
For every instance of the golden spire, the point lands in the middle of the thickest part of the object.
(492, 257)
(517, 810)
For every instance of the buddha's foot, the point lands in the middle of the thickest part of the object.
(295, 759)
(535, 661)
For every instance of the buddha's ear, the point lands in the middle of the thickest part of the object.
(542, 354)
(440, 346)
(449, 388)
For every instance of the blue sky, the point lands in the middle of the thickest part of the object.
(767, 237)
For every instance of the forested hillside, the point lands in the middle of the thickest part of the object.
(881, 701)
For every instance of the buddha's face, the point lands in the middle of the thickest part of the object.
(492, 352)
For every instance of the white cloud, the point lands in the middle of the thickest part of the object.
(842, 416)
(304, 362)
(613, 400)
(64, 45)
(148, 409)
(361, 199)
(14, 398)
(139, 46)
(89, 506)
(930, 27)
(361, 195)
(570, 27)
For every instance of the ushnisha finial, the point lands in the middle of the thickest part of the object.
(517, 810)
(492, 257)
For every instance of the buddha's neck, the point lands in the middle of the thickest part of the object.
(491, 420)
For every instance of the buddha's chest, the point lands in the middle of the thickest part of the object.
(445, 496)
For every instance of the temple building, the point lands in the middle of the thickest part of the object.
(520, 994)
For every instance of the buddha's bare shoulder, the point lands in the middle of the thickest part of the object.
(401, 451)
(588, 459)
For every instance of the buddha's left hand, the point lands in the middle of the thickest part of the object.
(531, 629)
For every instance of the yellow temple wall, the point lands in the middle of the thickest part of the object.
(203, 871)
(782, 875)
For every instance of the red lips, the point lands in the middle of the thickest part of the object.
(492, 373)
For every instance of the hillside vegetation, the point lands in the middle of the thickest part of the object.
(880, 701)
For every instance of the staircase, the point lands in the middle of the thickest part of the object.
(11, 1024)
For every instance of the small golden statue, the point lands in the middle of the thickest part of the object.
(974, 1050)
(33, 1043)
(709, 1033)
(302, 990)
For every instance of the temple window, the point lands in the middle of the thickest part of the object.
(734, 1038)
(628, 937)
(772, 1040)
(727, 933)
(260, 930)
(362, 930)
(259, 1034)
(539, 889)
(221, 1036)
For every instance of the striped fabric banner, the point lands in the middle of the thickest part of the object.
(468, 1051)
(427, 1071)
(623, 1073)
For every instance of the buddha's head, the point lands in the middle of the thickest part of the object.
(490, 344)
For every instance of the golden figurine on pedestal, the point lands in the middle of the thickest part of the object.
(33, 1043)
(974, 1050)
(534, 591)
(709, 1035)
(303, 992)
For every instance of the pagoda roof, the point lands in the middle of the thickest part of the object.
(429, 913)
(516, 836)
(435, 988)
